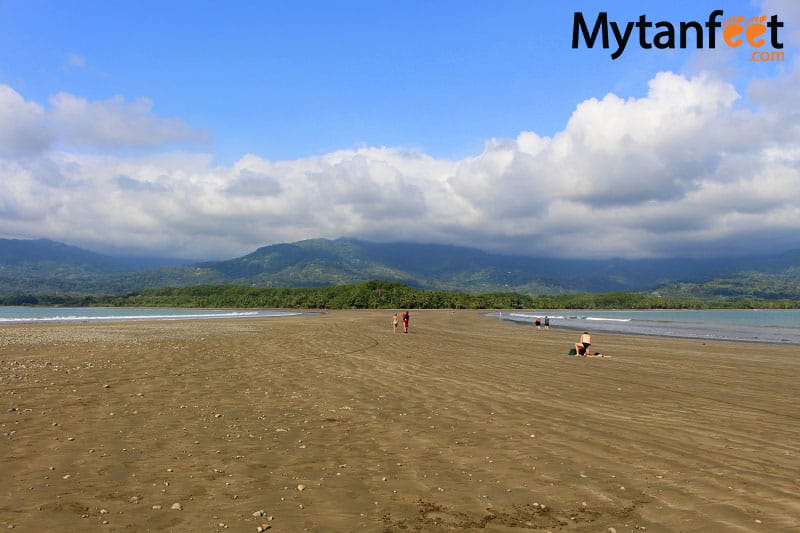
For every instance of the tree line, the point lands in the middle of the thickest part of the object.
(380, 294)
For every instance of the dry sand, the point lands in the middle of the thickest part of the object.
(465, 423)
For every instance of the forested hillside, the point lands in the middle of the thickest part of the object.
(49, 268)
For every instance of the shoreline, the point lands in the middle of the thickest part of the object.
(466, 423)
(653, 335)
(700, 335)
(716, 331)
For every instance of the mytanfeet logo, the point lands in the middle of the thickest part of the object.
(760, 34)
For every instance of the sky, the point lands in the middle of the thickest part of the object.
(205, 130)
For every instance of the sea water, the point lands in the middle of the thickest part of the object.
(18, 315)
(749, 325)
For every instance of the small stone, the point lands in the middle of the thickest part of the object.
(758, 521)
(133, 499)
(66, 476)
(106, 386)
(259, 513)
(176, 507)
(612, 530)
(103, 511)
(156, 507)
(301, 487)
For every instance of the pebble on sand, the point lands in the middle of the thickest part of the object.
(177, 507)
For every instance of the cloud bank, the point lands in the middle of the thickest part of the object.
(691, 169)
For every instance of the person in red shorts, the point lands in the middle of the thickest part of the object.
(405, 321)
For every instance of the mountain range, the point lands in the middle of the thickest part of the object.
(49, 267)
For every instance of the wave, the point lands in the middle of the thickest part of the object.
(521, 315)
(562, 317)
(109, 318)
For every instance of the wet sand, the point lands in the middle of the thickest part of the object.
(465, 423)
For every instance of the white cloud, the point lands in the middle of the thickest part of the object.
(23, 125)
(684, 170)
(27, 127)
(114, 123)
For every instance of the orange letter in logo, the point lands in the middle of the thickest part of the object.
(756, 27)
(731, 28)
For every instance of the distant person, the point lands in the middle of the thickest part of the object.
(406, 318)
(538, 323)
(582, 347)
(547, 322)
(395, 322)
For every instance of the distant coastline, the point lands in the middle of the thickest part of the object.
(381, 294)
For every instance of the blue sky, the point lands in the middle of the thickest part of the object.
(399, 120)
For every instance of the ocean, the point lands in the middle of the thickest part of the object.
(747, 325)
(21, 315)
(768, 326)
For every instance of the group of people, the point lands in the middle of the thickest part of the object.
(581, 347)
(396, 321)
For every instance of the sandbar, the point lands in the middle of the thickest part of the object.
(334, 423)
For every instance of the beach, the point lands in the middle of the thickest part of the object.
(334, 423)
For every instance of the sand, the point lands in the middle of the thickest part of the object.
(465, 423)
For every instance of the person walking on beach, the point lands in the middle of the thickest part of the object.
(395, 322)
(405, 321)
(538, 323)
(582, 347)
(547, 322)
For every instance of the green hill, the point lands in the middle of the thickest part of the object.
(47, 267)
